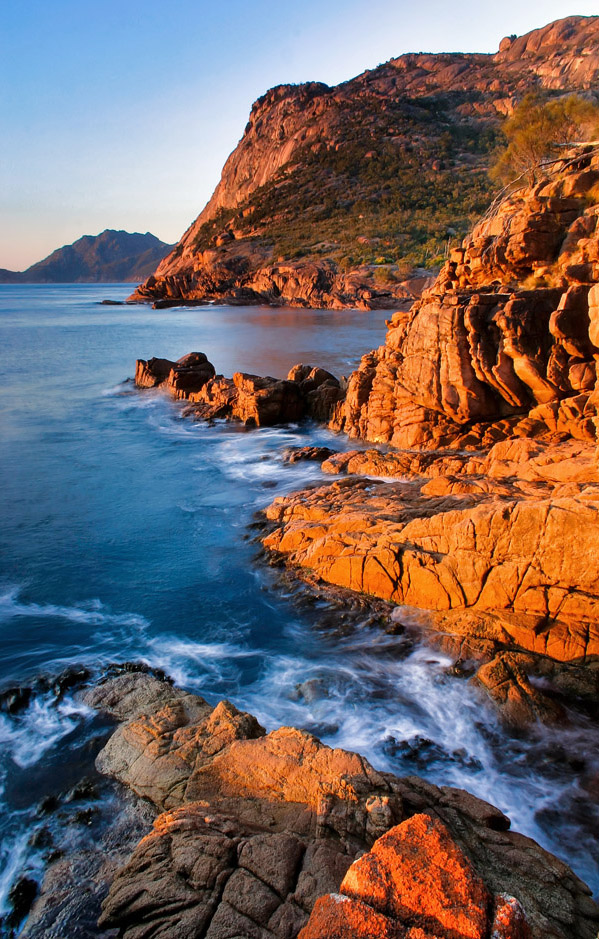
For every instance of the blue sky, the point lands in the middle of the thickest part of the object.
(120, 113)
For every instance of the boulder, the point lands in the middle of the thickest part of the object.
(189, 374)
(266, 401)
(259, 826)
(417, 883)
(153, 372)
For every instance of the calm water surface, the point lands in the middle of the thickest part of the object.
(124, 537)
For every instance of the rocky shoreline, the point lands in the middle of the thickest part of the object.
(277, 835)
(483, 517)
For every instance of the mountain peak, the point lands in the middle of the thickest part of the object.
(112, 256)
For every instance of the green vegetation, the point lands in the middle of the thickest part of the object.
(537, 129)
(399, 190)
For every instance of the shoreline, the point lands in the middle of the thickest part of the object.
(230, 757)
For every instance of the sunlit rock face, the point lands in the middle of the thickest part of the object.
(487, 387)
(290, 220)
(256, 827)
(506, 341)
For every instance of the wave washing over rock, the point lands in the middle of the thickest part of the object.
(255, 829)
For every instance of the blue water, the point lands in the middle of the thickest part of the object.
(125, 537)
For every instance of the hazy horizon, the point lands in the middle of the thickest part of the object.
(121, 115)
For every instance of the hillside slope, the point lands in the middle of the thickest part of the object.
(333, 194)
(110, 257)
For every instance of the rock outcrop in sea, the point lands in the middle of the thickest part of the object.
(333, 194)
(253, 400)
(277, 835)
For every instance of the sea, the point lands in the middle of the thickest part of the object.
(128, 535)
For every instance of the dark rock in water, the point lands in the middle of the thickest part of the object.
(83, 817)
(18, 698)
(134, 668)
(73, 677)
(166, 304)
(48, 805)
(15, 699)
(75, 882)
(423, 753)
(85, 789)
(21, 897)
(317, 454)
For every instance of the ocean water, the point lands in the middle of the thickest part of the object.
(126, 536)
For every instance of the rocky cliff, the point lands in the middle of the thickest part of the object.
(267, 836)
(505, 342)
(333, 193)
(488, 389)
(110, 257)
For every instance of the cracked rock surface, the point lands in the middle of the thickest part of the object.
(255, 828)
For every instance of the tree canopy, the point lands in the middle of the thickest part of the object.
(537, 128)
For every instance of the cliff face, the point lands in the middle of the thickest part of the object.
(110, 257)
(506, 341)
(488, 388)
(330, 189)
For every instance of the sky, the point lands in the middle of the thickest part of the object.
(121, 113)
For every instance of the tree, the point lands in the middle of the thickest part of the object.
(537, 128)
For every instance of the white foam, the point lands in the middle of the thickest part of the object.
(89, 612)
(26, 738)
(13, 855)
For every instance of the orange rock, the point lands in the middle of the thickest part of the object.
(510, 920)
(525, 553)
(336, 916)
(417, 875)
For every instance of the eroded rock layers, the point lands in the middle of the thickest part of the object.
(488, 390)
(506, 341)
(255, 828)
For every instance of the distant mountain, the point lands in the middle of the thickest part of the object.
(111, 257)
